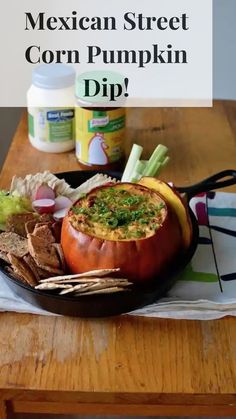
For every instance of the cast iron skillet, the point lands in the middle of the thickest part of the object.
(110, 305)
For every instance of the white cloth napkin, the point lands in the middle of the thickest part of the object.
(206, 289)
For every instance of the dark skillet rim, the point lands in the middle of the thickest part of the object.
(179, 263)
(178, 267)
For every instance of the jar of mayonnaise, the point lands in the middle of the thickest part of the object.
(51, 112)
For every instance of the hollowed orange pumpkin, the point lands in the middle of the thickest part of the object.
(139, 259)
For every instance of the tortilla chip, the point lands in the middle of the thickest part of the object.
(43, 231)
(16, 223)
(60, 255)
(32, 265)
(46, 218)
(10, 271)
(14, 244)
(50, 271)
(22, 269)
(43, 274)
(4, 257)
(44, 254)
(27, 186)
(98, 180)
(29, 226)
(56, 230)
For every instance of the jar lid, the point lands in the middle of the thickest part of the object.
(53, 76)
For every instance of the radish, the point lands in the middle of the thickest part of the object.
(60, 214)
(44, 206)
(62, 202)
(44, 192)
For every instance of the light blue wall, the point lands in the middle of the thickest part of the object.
(9, 118)
(224, 49)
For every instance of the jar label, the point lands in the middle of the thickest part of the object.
(99, 135)
(52, 125)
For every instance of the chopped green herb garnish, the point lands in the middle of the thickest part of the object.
(128, 213)
(79, 210)
(139, 234)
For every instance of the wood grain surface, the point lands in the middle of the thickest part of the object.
(126, 364)
(3, 410)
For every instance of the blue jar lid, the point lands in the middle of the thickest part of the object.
(53, 76)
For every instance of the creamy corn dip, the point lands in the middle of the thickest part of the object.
(120, 212)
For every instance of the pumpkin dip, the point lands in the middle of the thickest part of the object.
(119, 212)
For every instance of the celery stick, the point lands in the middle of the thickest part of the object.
(159, 153)
(132, 160)
(163, 164)
(137, 172)
(152, 165)
(139, 167)
(154, 168)
(157, 156)
(145, 162)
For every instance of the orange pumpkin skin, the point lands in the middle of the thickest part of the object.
(139, 260)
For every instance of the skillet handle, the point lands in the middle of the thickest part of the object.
(211, 183)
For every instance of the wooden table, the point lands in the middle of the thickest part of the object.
(126, 365)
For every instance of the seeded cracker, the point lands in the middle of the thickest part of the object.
(51, 286)
(14, 244)
(90, 274)
(104, 291)
(92, 287)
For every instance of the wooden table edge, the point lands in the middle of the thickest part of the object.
(8, 407)
(113, 409)
(150, 404)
